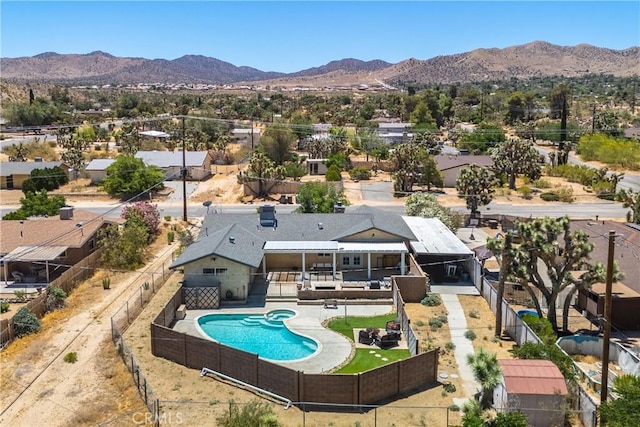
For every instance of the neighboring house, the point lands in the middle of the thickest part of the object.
(241, 135)
(232, 250)
(395, 132)
(535, 387)
(451, 165)
(626, 293)
(13, 174)
(40, 249)
(97, 169)
(316, 166)
(153, 134)
(632, 133)
(198, 163)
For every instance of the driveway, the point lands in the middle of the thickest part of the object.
(377, 191)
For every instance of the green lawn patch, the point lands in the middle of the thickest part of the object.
(346, 327)
(364, 360)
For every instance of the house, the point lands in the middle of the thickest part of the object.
(198, 163)
(626, 293)
(535, 387)
(451, 165)
(97, 169)
(632, 133)
(250, 136)
(392, 133)
(40, 249)
(234, 250)
(13, 174)
(153, 134)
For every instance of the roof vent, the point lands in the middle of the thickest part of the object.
(268, 216)
(320, 226)
(232, 239)
(338, 208)
(66, 212)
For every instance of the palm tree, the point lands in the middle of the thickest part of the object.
(487, 373)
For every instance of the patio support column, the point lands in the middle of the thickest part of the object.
(264, 266)
(368, 265)
(46, 263)
(303, 266)
(402, 265)
(6, 272)
(333, 265)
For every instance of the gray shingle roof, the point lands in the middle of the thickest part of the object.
(99, 164)
(24, 168)
(250, 236)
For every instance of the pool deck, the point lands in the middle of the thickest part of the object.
(335, 349)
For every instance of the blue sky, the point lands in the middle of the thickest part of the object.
(294, 35)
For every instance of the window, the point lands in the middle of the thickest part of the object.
(357, 260)
(92, 245)
(346, 260)
(323, 255)
(214, 271)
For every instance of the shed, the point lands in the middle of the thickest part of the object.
(451, 165)
(316, 166)
(535, 387)
(97, 169)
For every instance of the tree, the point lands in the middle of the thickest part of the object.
(551, 242)
(412, 165)
(516, 105)
(74, 146)
(333, 174)
(316, 197)
(277, 141)
(426, 205)
(144, 214)
(625, 410)
(47, 179)
(20, 154)
(560, 108)
(129, 139)
(503, 248)
(517, 157)
(130, 177)
(475, 184)
(487, 373)
(123, 247)
(37, 204)
(482, 139)
(262, 169)
(631, 200)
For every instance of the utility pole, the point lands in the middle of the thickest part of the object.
(607, 319)
(184, 173)
(252, 136)
(593, 119)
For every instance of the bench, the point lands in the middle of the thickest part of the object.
(321, 266)
(330, 303)
(181, 312)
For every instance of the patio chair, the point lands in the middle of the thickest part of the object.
(364, 337)
(17, 276)
(388, 341)
(393, 326)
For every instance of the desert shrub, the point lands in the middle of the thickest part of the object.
(254, 413)
(542, 183)
(436, 322)
(449, 388)
(550, 196)
(565, 194)
(431, 300)
(541, 326)
(25, 322)
(4, 306)
(360, 173)
(20, 295)
(333, 174)
(106, 283)
(55, 297)
(71, 357)
(167, 218)
(475, 314)
(450, 346)
(170, 237)
(419, 323)
(145, 214)
(525, 191)
(470, 335)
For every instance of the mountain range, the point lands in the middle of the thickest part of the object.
(534, 59)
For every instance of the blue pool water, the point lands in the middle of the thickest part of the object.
(521, 313)
(263, 334)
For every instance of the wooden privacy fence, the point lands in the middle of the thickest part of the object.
(67, 281)
(383, 383)
(252, 188)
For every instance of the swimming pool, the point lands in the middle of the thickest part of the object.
(263, 334)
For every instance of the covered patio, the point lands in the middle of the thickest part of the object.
(28, 268)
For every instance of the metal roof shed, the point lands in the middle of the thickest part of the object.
(434, 238)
